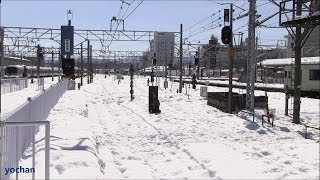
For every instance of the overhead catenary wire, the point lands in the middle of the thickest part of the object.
(133, 10)
(123, 19)
(127, 8)
(203, 28)
(202, 20)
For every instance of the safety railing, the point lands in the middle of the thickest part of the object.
(14, 84)
(18, 129)
(12, 141)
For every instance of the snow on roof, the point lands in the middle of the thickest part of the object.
(288, 61)
(17, 58)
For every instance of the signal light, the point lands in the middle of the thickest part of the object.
(226, 15)
(226, 35)
(68, 66)
(196, 61)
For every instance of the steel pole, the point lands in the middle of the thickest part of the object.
(52, 53)
(81, 59)
(180, 81)
(88, 63)
(297, 69)
(230, 62)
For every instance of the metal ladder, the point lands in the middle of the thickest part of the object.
(290, 108)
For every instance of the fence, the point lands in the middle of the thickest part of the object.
(273, 80)
(14, 84)
(18, 129)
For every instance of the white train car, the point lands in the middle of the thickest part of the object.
(310, 77)
(21, 71)
(310, 74)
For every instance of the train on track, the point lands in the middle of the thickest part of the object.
(22, 71)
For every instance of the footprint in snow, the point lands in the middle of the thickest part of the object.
(122, 170)
(265, 153)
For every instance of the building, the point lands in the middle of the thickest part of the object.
(208, 53)
(311, 48)
(162, 48)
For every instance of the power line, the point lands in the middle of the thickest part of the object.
(203, 27)
(202, 20)
(134, 9)
(124, 19)
(127, 8)
(205, 30)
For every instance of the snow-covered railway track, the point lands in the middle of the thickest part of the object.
(146, 144)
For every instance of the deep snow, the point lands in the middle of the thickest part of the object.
(114, 137)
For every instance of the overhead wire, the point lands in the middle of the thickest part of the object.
(204, 28)
(134, 9)
(127, 8)
(202, 20)
(123, 19)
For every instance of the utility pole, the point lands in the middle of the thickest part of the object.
(59, 59)
(38, 63)
(251, 63)
(299, 37)
(88, 63)
(297, 69)
(91, 67)
(180, 82)
(231, 54)
(198, 63)
(81, 59)
(52, 53)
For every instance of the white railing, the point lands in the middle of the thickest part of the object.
(18, 129)
(14, 84)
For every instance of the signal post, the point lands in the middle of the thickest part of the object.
(227, 38)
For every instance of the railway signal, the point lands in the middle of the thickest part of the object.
(196, 61)
(226, 35)
(68, 66)
(226, 15)
(131, 81)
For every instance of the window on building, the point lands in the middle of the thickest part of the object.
(285, 74)
(314, 74)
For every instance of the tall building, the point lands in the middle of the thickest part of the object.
(162, 48)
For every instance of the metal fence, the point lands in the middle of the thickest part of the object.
(18, 129)
(14, 84)
(273, 80)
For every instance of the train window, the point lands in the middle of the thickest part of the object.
(314, 74)
(11, 70)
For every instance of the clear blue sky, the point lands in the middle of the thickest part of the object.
(150, 15)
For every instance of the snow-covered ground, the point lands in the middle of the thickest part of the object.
(11, 101)
(113, 137)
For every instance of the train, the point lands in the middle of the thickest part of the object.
(22, 71)
(283, 70)
(310, 80)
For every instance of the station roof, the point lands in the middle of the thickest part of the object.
(289, 61)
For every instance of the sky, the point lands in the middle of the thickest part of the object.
(149, 16)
